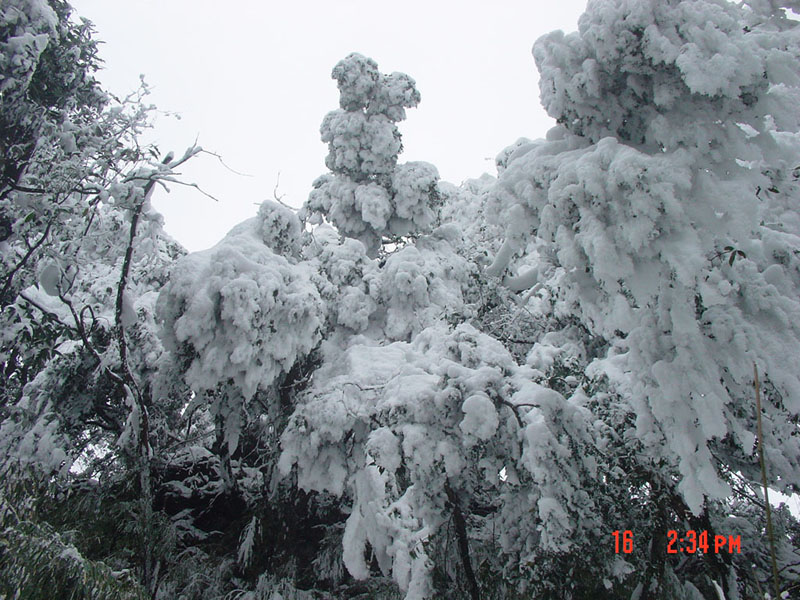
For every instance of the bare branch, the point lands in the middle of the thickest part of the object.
(279, 199)
(222, 162)
(23, 260)
(192, 185)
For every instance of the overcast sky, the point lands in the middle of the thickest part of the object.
(251, 80)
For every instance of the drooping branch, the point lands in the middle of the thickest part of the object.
(48, 313)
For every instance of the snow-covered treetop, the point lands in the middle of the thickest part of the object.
(362, 86)
(363, 141)
(368, 195)
(665, 75)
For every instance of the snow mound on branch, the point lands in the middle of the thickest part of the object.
(422, 284)
(348, 280)
(480, 417)
(279, 227)
(395, 424)
(663, 73)
(239, 311)
(362, 86)
(415, 186)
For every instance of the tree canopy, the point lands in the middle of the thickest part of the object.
(542, 383)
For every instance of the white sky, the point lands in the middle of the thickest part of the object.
(251, 80)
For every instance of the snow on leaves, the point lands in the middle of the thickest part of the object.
(242, 312)
(673, 119)
(667, 74)
(393, 425)
(528, 361)
(368, 195)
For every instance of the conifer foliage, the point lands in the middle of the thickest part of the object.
(368, 196)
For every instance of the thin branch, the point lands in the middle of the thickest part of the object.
(194, 150)
(768, 510)
(191, 185)
(367, 388)
(515, 407)
(789, 566)
(194, 438)
(30, 190)
(222, 162)
(44, 311)
(93, 205)
(24, 259)
(279, 199)
(514, 410)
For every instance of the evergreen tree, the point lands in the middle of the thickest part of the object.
(368, 196)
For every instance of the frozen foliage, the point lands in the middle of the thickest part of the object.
(72, 191)
(369, 196)
(650, 232)
(667, 244)
(423, 284)
(279, 228)
(28, 23)
(411, 389)
(242, 312)
(668, 75)
(241, 315)
(397, 425)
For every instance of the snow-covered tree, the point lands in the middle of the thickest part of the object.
(368, 195)
(411, 389)
(657, 217)
(82, 255)
(652, 243)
